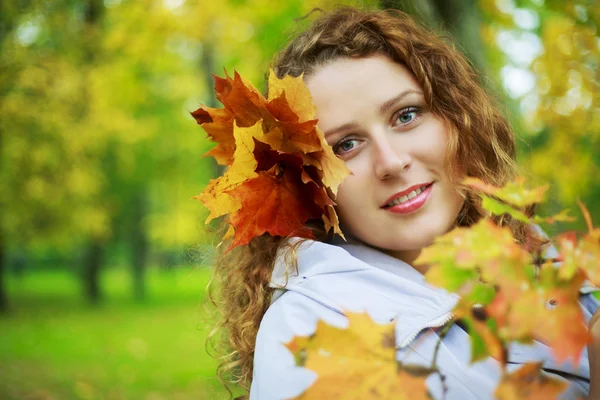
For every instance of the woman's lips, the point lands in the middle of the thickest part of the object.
(413, 204)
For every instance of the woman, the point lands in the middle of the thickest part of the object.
(404, 110)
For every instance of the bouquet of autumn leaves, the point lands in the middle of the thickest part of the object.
(281, 171)
(281, 174)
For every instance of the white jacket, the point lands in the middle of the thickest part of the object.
(350, 277)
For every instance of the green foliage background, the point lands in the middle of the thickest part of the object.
(104, 257)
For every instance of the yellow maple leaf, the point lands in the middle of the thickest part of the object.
(296, 93)
(358, 362)
(216, 197)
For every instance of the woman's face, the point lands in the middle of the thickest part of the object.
(398, 197)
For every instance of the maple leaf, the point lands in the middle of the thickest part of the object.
(548, 310)
(242, 102)
(498, 208)
(296, 93)
(292, 137)
(272, 204)
(529, 383)
(482, 331)
(358, 362)
(514, 193)
(218, 124)
(582, 254)
(333, 169)
(216, 197)
(482, 251)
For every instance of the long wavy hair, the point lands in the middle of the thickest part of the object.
(481, 142)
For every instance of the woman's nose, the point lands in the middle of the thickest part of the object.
(389, 162)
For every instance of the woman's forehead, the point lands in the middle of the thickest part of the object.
(372, 69)
(347, 86)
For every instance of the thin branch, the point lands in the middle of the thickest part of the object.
(443, 332)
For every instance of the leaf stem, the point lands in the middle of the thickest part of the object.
(443, 332)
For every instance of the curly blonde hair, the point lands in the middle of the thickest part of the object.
(480, 141)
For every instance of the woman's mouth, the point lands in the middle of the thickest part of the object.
(410, 202)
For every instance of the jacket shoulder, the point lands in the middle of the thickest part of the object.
(275, 374)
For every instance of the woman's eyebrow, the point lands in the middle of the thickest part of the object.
(349, 125)
(390, 103)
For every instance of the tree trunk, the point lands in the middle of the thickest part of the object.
(3, 268)
(139, 246)
(94, 10)
(460, 18)
(91, 272)
(207, 66)
(421, 10)
(9, 17)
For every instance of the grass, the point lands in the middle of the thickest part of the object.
(53, 345)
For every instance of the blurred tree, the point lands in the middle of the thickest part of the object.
(107, 150)
(460, 18)
(547, 55)
(38, 87)
(7, 20)
(92, 31)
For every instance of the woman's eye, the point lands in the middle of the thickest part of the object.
(406, 116)
(345, 146)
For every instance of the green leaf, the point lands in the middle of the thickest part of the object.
(481, 293)
(498, 208)
(478, 348)
(449, 277)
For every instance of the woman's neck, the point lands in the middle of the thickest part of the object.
(409, 257)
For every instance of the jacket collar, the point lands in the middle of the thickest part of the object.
(357, 278)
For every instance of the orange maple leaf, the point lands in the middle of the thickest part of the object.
(272, 203)
(218, 123)
(582, 254)
(358, 362)
(547, 310)
(242, 102)
(529, 383)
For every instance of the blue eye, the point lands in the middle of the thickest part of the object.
(406, 116)
(345, 146)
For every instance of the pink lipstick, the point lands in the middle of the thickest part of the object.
(401, 204)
